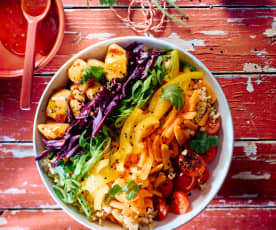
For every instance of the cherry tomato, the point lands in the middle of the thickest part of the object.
(192, 164)
(184, 182)
(162, 210)
(166, 188)
(204, 177)
(180, 203)
(212, 127)
(210, 155)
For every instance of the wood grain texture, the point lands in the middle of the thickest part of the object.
(234, 219)
(250, 182)
(225, 39)
(196, 3)
(251, 99)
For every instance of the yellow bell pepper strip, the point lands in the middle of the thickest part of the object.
(126, 138)
(143, 129)
(174, 66)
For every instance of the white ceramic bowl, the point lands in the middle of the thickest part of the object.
(218, 167)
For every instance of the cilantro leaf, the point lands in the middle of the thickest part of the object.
(131, 189)
(112, 192)
(116, 189)
(202, 143)
(174, 94)
(93, 72)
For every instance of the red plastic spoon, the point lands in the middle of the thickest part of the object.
(34, 11)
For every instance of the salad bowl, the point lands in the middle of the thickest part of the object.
(218, 167)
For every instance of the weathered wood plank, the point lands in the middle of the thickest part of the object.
(250, 182)
(224, 39)
(251, 99)
(199, 3)
(249, 219)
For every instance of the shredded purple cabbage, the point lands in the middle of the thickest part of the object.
(94, 114)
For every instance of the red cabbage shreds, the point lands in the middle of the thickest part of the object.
(55, 144)
(99, 122)
(72, 151)
(70, 116)
(44, 154)
(72, 141)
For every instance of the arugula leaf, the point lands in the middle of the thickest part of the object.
(82, 141)
(108, 2)
(174, 94)
(202, 143)
(63, 168)
(93, 72)
(98, 146)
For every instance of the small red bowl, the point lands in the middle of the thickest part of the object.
(12, 55)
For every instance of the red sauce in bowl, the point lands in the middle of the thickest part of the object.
(34, 7)
(13, 30)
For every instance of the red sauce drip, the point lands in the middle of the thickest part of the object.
(13, 28)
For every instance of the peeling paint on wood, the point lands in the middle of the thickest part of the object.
(238, 218)
(249, 176)
(211, 3)
(247, 111)
(228, 52)
(188, 45)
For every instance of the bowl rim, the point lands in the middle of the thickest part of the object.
(157, 41)
(44, 60)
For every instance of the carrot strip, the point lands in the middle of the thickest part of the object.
(193, 100)
(189, 115)
(175, 148)
(204, 119)
(191, 125)
(170, 118)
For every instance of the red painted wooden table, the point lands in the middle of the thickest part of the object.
(237, 42)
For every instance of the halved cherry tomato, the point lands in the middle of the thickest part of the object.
(166, 188)
(212, 127)
(210, 155)
(204, 177)
(180, 203)
(192, 164)
(162, 209)
(184, 182)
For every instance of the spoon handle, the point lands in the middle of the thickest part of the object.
(26, 87)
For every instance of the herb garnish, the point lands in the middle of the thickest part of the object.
(93, 72)
(202, 143)
(131, 189)
(174, 94)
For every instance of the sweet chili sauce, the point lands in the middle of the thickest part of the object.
(13, 26)
(34, 7)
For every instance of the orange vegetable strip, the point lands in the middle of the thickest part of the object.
(156, 168)
(191, 125)
(189, 115)
(175, 148)
(170, 118)
(193, 100)
(204, 119)
(156, 148)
